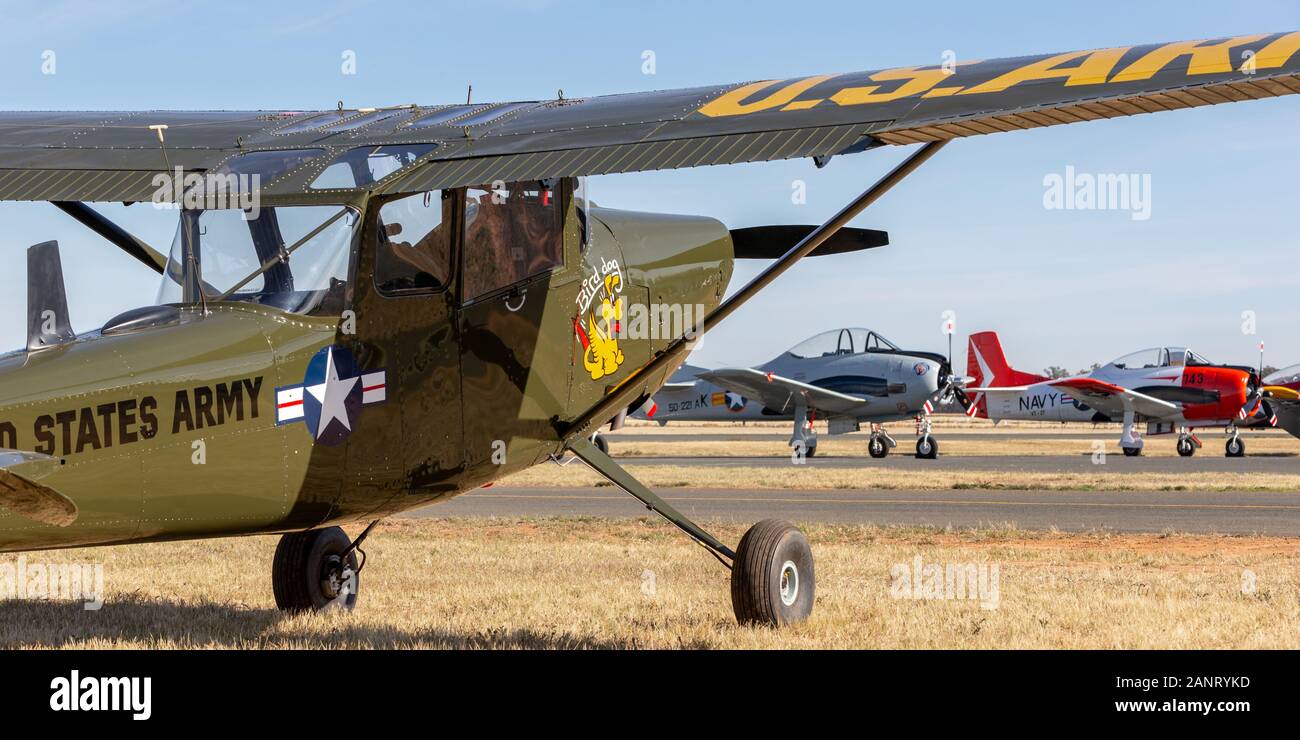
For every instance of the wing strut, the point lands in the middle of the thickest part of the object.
(124, 240)
(603, 464)
(629, 389)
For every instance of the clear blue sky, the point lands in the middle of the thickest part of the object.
(969, 231)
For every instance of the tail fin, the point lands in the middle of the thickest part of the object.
(987, 363)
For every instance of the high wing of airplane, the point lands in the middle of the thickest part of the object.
(849, 377)
(1171, 389)
(368, 310)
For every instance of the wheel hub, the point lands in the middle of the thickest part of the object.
(789, 583)
(332, 577)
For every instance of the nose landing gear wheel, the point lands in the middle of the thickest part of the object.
(877, 447)
(1186, 448)
(772, 578)
(1132, 451)
(927, 448)
(1235, 448)
(311, 571)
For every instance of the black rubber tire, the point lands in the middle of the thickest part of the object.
(301, 561)
(1186, 448)
(927, 448)
(1132, 451)
(812, 450)
(1235, 447)
(601, 443)
(756, 576)
(877, 447)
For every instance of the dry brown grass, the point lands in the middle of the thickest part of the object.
(577, 474)
(855, 445)
(567, 583)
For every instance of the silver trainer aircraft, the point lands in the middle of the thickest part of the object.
(849, 377)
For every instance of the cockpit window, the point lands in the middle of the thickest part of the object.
(292, 258)
(414, 252)
(1147, 358)
(511, 234)
(1285, 376)
(843, 342)
(368, 165)
(267, 166)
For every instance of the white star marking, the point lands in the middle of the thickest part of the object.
(331, 394)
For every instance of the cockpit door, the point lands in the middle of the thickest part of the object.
(517, 292)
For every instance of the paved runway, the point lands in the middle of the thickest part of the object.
(1115, 463)
(1125, 511)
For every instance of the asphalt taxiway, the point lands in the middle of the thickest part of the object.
(1120, 511)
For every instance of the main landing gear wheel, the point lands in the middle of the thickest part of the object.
(315, 570)
(1236, 448)
(1132, 451)
(877, 446)
(772, 578)
(601, 443)
(810, 451)
(927, 448)
(1186, 448)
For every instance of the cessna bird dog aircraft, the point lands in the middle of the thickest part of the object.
(403, 304)
(1171, 388)
(848, 376)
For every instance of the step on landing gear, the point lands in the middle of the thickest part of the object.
(773, 582)
(317, 570)
(880, 443)
(1236, 447)
(1188, 443)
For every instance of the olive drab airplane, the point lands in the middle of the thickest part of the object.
(369, 310)
(1171, 389)
(849, 377)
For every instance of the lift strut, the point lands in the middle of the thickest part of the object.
(576, 435)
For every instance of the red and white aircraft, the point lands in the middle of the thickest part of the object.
(1171, 389)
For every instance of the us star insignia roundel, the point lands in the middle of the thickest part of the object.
(331, 396)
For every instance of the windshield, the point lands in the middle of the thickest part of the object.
(843, 342)
(1285, 376)
(1147, 358)
(292, 258)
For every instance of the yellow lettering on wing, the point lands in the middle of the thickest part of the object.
(1278, 52)
(733, 103)
(1206, 58)
(1092, 70)
(918, 81)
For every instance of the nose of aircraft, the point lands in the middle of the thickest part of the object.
(683, 262)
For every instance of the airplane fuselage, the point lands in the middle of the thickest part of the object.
(239, 418)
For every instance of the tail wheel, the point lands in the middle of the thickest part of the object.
(772, 578)
(1132, 451)
(877, 447)
(1236, 447)
(315, 571)
(1186, 448)
(927, 448)
(601, 443)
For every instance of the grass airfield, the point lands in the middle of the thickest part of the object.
(565, 582)
(637, 583)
